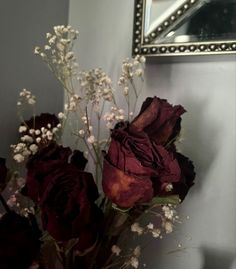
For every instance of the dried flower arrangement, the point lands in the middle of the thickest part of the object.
(59, 215)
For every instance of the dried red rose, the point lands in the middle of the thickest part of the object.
(64, 192)
(3, 173)
(19, 241)
(159, 120)
(141, 161)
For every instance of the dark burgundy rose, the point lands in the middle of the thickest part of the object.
(137, 167)
(19, 241)
(159, 120)
(3, 173)
(64, 192)
(42, 120)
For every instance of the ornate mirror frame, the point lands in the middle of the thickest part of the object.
(143, 45)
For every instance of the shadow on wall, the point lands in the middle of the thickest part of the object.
(217, 258)
(200, 135)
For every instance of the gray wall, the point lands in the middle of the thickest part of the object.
(23, 25)
(207, 89)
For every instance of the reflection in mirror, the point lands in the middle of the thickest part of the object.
(213, 20)
(184, 27)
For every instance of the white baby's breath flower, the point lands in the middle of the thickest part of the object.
(19, 103)
(134, 262)
(169, 187)
(43, 55)
(31, 131)
(168, 227)
(26, 153)
(156, 233)
(22, 129)
(142, 59)
(46, 47)
(31, 101)
(38, 139)
(27, 138)
(91, 139)
(19, 158)
(37, 132)
(169, 213)
(139, 72)
(55, 130)
(81, 132)
(52, 40)
(150, 226)
(33, 148)
(116, 250)
(135, 227)
(48, 35)
(37, 50)
(49, 135)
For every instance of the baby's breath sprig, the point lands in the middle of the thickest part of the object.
(132, 69)
(58, 54)
(90, 96)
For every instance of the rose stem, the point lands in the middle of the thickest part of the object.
(2, 200)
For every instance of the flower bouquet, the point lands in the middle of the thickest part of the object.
(58, 214)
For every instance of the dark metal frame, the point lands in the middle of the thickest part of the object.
(143, 45)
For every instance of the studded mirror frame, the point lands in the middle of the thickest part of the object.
(142, 45)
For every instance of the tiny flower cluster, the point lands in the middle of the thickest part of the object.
(72, 105)
(131, 69)
(168, 218)
(58, 54)
(115, 115)
(27, 97)
(32, 140)
(96, 85)
(133, 260)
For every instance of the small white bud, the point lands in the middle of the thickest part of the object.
(36, 50)
(33, 148)
(81, 132)
(61, 115)
(37, 132)
(116, 250)
(19, 158)
(38, 139)
(91, 139)
(31, 101)
(22, 129)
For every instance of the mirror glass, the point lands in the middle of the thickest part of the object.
(209, 20)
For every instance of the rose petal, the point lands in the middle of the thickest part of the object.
(123, 189)
(159, 119)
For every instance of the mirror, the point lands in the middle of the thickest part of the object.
(184, 27)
